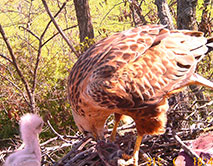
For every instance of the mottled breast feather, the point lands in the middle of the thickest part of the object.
(136, 67)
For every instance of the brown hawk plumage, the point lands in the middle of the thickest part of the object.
(132, 73)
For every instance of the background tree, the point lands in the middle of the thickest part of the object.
(164, 13)
(84, 20)
(186, 14)
(186, 19)
(206, 23)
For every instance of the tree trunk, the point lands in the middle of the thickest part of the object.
(164, 13)
(186, 19)
(186, 14)
(206, 21)
(84, 19)
(135, 7)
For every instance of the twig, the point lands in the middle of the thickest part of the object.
(57, 34)
(59, 135)
(188, 150)
(63, 5)
(57, 147)
(26, 29)
(6, 58)
(109, 12)
(147, 157)
(126, 127)
(38, 56)
(83, 144)
(71, 161)
(48, 141)
(13, 84)
(16, 65)
(74, 148)
(48, 158)
(137, 8)
(59, 29)
(205, 105)
(102, 156)
(89, 158)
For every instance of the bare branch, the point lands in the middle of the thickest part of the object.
(59, 135)
(138, 10)
(38, 56)
(39, 51)
(35, 74)
(6, 58)
(72, 160)
(57, 34)
(188, 150)
(16, 65)
(30, 32)
(16, 86)
(63, 5)
(102, 156)
(109, 12)
(74, 148)
(48, 141)
(59, 29)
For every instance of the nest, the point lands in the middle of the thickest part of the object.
(159, 150)
(186, 122)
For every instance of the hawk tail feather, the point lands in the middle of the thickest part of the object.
(199, 80)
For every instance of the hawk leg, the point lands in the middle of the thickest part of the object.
(117, 119)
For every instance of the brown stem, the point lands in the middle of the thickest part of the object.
(14, 62)
(59, 29)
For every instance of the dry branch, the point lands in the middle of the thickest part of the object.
(6, 58)
(48, 24)
(188, 150)
(16, 86)
(59, 29)
(14, 62)
(164, 13)
(74, 150)
(59, 135)
(26, 29)
(109, 12)
(57, 34)
(135, 6)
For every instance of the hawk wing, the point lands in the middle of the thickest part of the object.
(139, 66)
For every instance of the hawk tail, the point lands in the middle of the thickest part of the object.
(199, 80)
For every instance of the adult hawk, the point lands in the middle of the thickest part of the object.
(133, 73)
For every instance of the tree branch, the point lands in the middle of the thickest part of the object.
(57, 34)
(6, 58)
(39, 54)
(59, 135)
(187, 149)
(138, 10)
(74, 149)
(109, 12)
(59, 29)
(16, 66)
(29, 32)
(48, 24)
(13, 84)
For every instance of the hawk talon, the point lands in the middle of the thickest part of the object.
(126, 156)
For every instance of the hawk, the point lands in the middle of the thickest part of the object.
(133, 73)
(30, 127)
